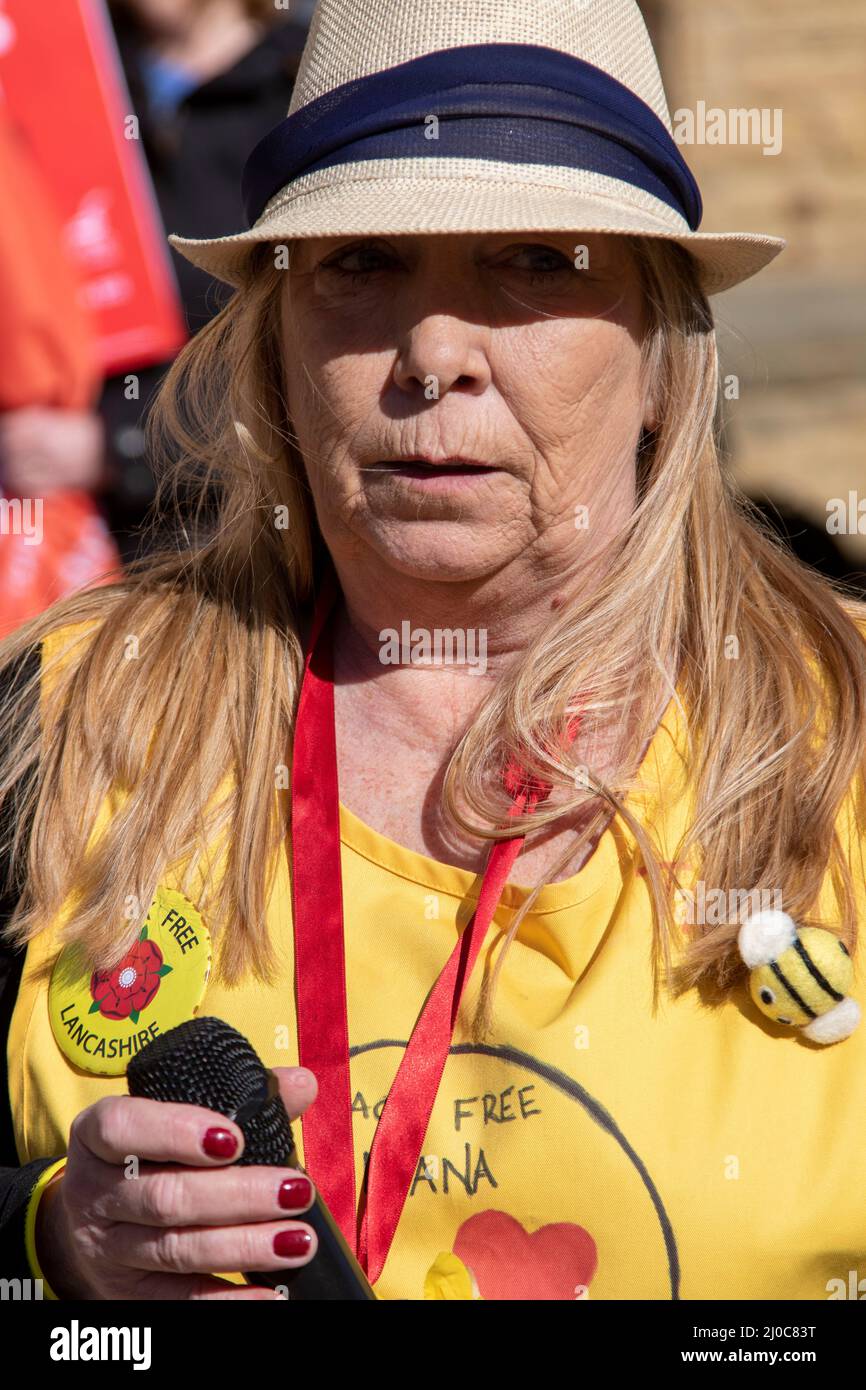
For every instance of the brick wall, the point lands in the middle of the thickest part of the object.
(796, 333)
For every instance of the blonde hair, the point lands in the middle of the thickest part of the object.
(776, 736)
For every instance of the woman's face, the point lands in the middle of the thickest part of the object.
(518, 350)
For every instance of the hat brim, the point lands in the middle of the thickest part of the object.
(405, 207)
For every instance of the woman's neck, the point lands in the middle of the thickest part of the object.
(399, 722)
(472, 630)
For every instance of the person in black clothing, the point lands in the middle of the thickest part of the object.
(16, 1182)
(206, 78)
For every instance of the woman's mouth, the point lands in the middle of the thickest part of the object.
(447, 473)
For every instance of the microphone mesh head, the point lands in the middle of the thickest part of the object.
(205, 1061)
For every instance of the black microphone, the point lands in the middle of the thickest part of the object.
(207, 1062)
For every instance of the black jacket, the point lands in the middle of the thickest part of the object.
(16, 1181)
(195, 157)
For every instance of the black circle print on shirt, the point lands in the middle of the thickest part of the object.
(492, 1241)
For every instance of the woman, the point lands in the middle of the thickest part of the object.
(477, 576)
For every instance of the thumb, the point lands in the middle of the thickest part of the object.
(298, 1088)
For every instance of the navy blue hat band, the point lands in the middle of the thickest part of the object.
(540, 106)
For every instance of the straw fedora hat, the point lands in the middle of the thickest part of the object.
(411, 116)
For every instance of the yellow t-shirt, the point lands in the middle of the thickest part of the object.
(592, 1149)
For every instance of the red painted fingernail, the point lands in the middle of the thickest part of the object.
(219, 1143)
(290, 1244)
(295, 1193)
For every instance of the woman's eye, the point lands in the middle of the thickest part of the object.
(542, 263)
(368, 259)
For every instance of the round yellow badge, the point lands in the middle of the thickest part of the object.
(102, 1019)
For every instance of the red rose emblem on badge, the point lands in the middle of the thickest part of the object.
(128, 989)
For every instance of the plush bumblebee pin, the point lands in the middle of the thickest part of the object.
(800, 975)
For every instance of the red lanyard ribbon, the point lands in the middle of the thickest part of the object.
(320, 974)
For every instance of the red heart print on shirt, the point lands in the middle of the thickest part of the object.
(508, 1262)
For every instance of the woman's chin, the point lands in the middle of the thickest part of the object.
(444, 551)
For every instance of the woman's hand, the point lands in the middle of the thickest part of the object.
(162, 1227)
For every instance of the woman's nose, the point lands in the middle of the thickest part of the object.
(440, 352)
